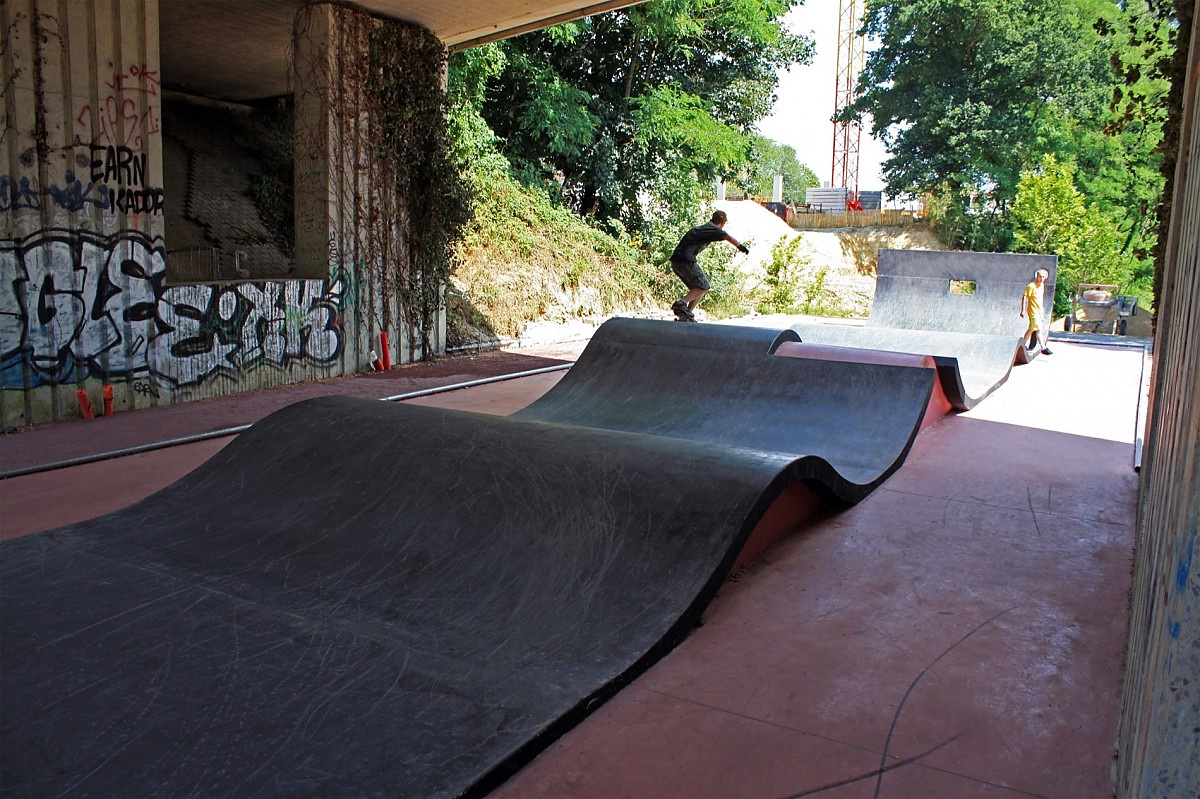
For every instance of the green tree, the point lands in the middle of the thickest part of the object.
(769, 158)
(963, 93)
(1120, 164)
(472, 141)
(1050, 215)
(659, 97)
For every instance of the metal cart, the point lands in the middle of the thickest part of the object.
(1098, 308)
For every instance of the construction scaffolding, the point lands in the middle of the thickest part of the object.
(847, 135)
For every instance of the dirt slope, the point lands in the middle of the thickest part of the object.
(848, 254)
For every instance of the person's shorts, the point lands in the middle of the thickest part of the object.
(691, 274)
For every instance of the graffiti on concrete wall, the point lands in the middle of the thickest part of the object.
(128, 170)
(118, 117)
(113, 175)
(116, 182)
(217, 330)
(75, 305)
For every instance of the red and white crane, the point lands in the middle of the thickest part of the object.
(847, 135)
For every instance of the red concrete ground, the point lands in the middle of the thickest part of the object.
(51, 499)
(959, 633)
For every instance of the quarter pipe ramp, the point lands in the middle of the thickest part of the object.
(960, 307)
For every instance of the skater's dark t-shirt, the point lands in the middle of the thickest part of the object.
(695, 240)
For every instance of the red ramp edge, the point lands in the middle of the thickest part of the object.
(938, 406)
(798, 503)
(794, 506)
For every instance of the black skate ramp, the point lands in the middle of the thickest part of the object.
(719, 384)
(970, 365)
(356, 598)
(939, 404)
(963, 308)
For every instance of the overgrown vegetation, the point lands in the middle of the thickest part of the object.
(612, 132)
(983, 105)
(778, 291)
(1024, 125)
(623, 113)
(411, 136)
(525, 258)
(524, 255)
(794, 285)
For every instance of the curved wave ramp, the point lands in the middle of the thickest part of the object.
(356, 598)
(962, 308)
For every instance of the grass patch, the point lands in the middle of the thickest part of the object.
(523, 258)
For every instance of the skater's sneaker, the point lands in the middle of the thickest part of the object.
(681, 312)
(1046, 351)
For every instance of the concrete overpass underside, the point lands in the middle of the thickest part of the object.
(237, 50)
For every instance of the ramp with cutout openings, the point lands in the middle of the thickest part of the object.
(357, 598)
(962, 308)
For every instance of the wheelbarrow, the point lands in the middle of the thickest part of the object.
(1098, 308)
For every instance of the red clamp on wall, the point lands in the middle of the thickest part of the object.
(108, 400)
(84, 404)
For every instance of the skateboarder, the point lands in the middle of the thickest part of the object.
(1031, 304)
(683, 263)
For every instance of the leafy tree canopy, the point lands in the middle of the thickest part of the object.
(1051, 216)
(769, 158)
(619, 106)
(963, 92)
(1119, 167)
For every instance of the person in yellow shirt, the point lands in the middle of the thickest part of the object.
(1031, 306)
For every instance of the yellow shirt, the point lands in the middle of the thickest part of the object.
(1033, 305)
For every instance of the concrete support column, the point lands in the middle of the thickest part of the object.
(315, 134)
(346, 211)
(81, 203)
(350, 225)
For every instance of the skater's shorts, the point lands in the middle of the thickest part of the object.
(691, 274)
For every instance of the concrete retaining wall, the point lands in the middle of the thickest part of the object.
(85, 302)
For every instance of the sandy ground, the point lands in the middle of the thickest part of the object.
(848, 255)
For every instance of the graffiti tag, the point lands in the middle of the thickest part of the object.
(73, 195)
(76, 304)
(102, 123)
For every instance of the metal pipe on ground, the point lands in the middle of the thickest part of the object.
(232, 431)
